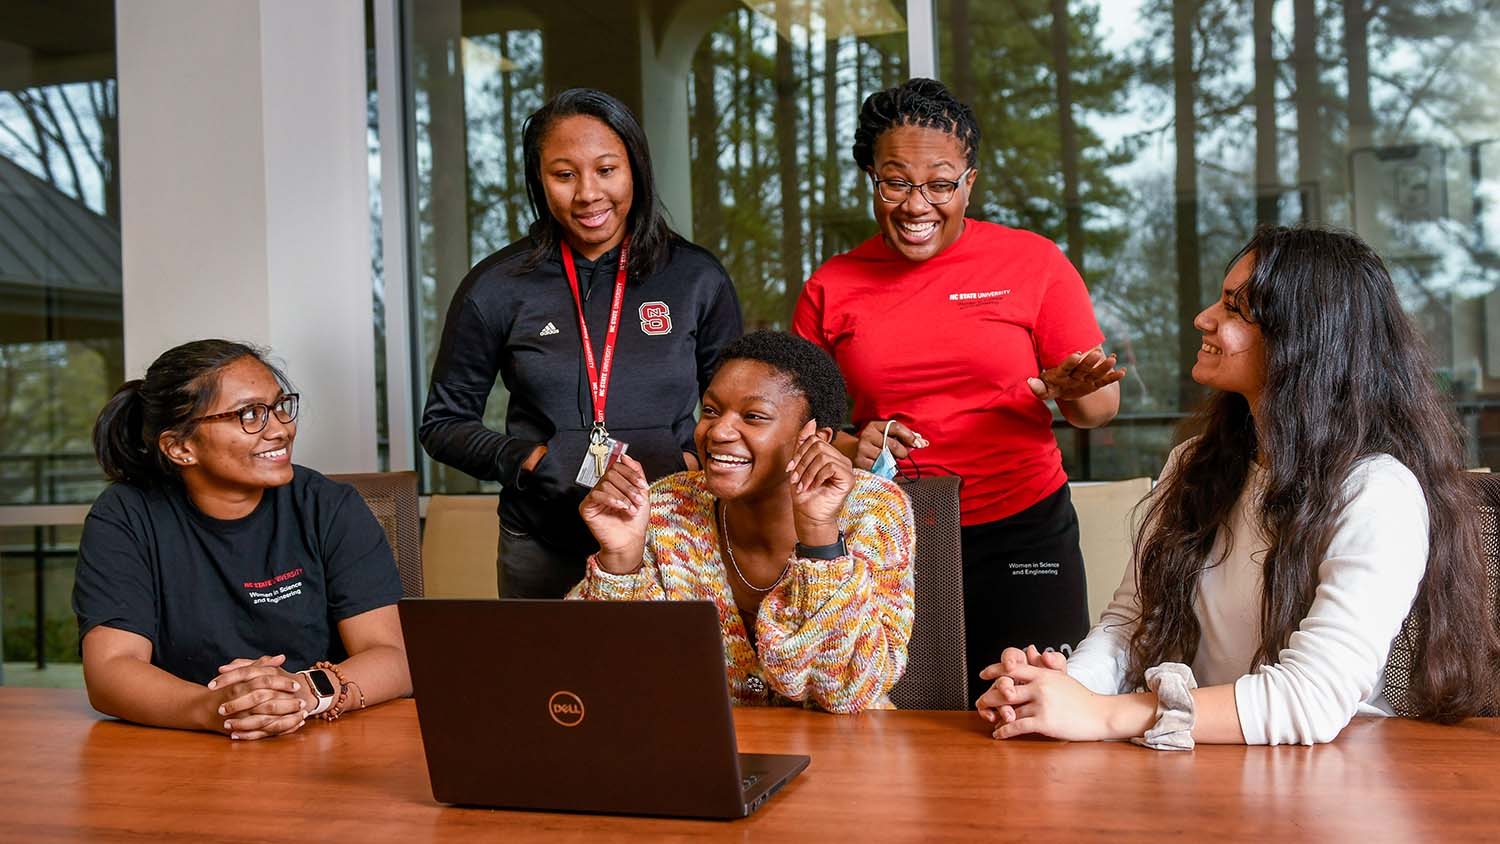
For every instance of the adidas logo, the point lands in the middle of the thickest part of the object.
(549, 330)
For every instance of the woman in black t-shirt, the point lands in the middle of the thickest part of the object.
(219, 587)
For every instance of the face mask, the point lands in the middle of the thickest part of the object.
(885, 464)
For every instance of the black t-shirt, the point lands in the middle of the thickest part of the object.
(206, 591)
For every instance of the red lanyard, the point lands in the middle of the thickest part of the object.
(599, 375)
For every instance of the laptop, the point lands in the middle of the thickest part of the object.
(582, 706)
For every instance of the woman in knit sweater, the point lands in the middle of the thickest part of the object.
(808, 559)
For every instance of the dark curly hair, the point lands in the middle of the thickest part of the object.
(808, 369)
(1347, 376)
(926, 103)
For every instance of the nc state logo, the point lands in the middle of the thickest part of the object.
(656, 318)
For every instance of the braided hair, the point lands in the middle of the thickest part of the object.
(924, 103)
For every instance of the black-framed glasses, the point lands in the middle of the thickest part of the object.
(254, 417)
(936, 191)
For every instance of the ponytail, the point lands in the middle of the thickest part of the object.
(119, 439)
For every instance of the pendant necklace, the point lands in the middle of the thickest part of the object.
(729, 551)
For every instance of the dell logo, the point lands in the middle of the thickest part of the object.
(565, 708)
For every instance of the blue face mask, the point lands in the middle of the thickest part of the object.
(885, 464)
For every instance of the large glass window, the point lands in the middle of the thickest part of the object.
(475, 73)
(1149, 137)
(770, 88)
(775, 95)
(61, 349)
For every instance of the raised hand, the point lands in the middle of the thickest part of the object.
(617, 510)
(257, 698)
(1079, 374)
(901, 441)
(820, 479)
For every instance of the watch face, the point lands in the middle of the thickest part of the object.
(321, 684)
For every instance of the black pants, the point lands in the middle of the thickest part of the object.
(526, 568)
(1023, 584)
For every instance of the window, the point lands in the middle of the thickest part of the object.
(772, 203)
(61, 344)
(1148, 138)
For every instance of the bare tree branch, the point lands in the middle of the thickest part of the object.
(35, 151)
(27, 108)
(97, 159)
(62, 143)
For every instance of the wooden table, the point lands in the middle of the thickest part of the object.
(67, 774)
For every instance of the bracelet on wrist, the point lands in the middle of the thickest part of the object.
(1176, 710)
(598, 564)
(337, 709)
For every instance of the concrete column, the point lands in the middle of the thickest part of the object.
(244, 198)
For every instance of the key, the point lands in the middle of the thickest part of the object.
(601, 454)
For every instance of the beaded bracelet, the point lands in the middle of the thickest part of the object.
(337, 709)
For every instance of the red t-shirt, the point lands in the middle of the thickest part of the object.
(946, 345)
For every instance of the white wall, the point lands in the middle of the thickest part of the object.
(244, 198)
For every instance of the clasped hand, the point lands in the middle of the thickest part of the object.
(257, 698)
(1034, 694)
(1079, 374)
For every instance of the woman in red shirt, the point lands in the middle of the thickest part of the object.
(964, 330)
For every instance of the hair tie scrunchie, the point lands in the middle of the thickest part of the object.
(1173, 684)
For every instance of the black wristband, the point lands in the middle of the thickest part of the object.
(832, 551)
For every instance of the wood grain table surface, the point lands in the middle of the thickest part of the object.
(66, 773)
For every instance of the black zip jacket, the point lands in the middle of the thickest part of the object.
(524, 328)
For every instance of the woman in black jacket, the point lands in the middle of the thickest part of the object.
(600, 252)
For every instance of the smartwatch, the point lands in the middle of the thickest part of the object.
(832, 551)
(322, 688)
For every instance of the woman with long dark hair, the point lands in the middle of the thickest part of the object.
(655, 310)
(1320, 502)
(219, 586)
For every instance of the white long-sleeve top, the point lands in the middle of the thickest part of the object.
(1333, 665)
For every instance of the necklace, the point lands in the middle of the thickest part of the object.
(729, 549)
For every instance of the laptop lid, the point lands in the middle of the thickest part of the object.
(587, 706)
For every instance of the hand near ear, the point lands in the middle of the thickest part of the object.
(821, 478)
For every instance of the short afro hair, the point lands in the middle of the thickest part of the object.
(925, 103)
(808, 369)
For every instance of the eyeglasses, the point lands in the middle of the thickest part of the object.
(936, 192)
(254, 417)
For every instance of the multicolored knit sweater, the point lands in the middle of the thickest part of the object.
(832, 634)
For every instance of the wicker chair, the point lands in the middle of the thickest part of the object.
(392, 497)
(1404, 649)
(936, 673)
